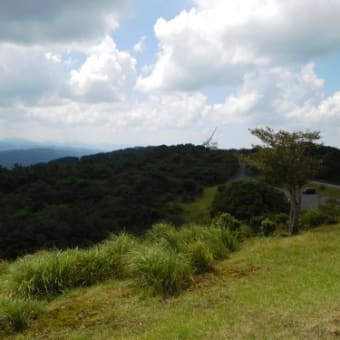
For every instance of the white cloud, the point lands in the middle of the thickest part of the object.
(106, 75)
(27, 73)
(56, 58)
(328, 109)
(217, 42)
(140, 45)
(176, 110)
(235, 108)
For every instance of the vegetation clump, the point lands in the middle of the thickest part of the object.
(161, 271)
(50, 273)
(248, 202)
(327, 213)
(164, 261)
(16, 314)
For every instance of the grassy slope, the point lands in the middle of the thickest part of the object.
(199, 210)
(272, 288)
(326, 190)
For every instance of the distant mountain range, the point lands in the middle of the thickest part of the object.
(24, 152)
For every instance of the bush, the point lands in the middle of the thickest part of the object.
(50, 273)
(15, 315)
(249, 198)
(226, 220)
(331, 211)
(327, 213)
(161, 271)
(267, 227)
(312, 218)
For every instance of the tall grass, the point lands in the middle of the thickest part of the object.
(163, 262)
(200, 245)
(15, 315)
(221, 241)
(201, 258)
(50, 273)
(161, 271)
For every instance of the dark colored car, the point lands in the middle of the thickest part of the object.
(309, 191)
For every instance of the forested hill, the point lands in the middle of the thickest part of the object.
(77, 202)
(330, 163)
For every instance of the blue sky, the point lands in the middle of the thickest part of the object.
(114, 72)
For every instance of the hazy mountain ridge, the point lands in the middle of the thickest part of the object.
(26, 153)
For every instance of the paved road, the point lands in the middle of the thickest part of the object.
(307, 202)
(313, 201)
(326, 184)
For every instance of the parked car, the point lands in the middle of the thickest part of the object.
(309, 191)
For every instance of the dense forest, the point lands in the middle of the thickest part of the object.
(330, 163)
(77, 202)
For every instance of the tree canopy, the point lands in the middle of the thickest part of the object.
(284, 161)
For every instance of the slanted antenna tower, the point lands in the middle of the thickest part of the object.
(209, 144)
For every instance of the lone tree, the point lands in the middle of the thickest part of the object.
(283, 161)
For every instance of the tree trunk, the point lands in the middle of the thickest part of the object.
(295, 207)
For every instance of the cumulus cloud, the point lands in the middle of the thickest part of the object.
(328, 109)
(235, 108)
(218, 41)
(28, 73)
(106, 75)
(48, 21)
(272, 95)
(176, 110)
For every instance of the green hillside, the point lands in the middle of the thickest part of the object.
(198, 211)
(272, 288)
(79, 202)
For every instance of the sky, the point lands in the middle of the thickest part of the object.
(150, 72)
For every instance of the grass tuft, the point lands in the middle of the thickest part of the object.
(201, 258)
(15, 315)
(161, 271)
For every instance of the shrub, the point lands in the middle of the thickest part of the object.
(267, 227)
(244, 232)
(15, 314)
(327, 213)
(280, 218)
(331, 211)
(312, 218)
(161, 271)
(248, 198)
(226, 220)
